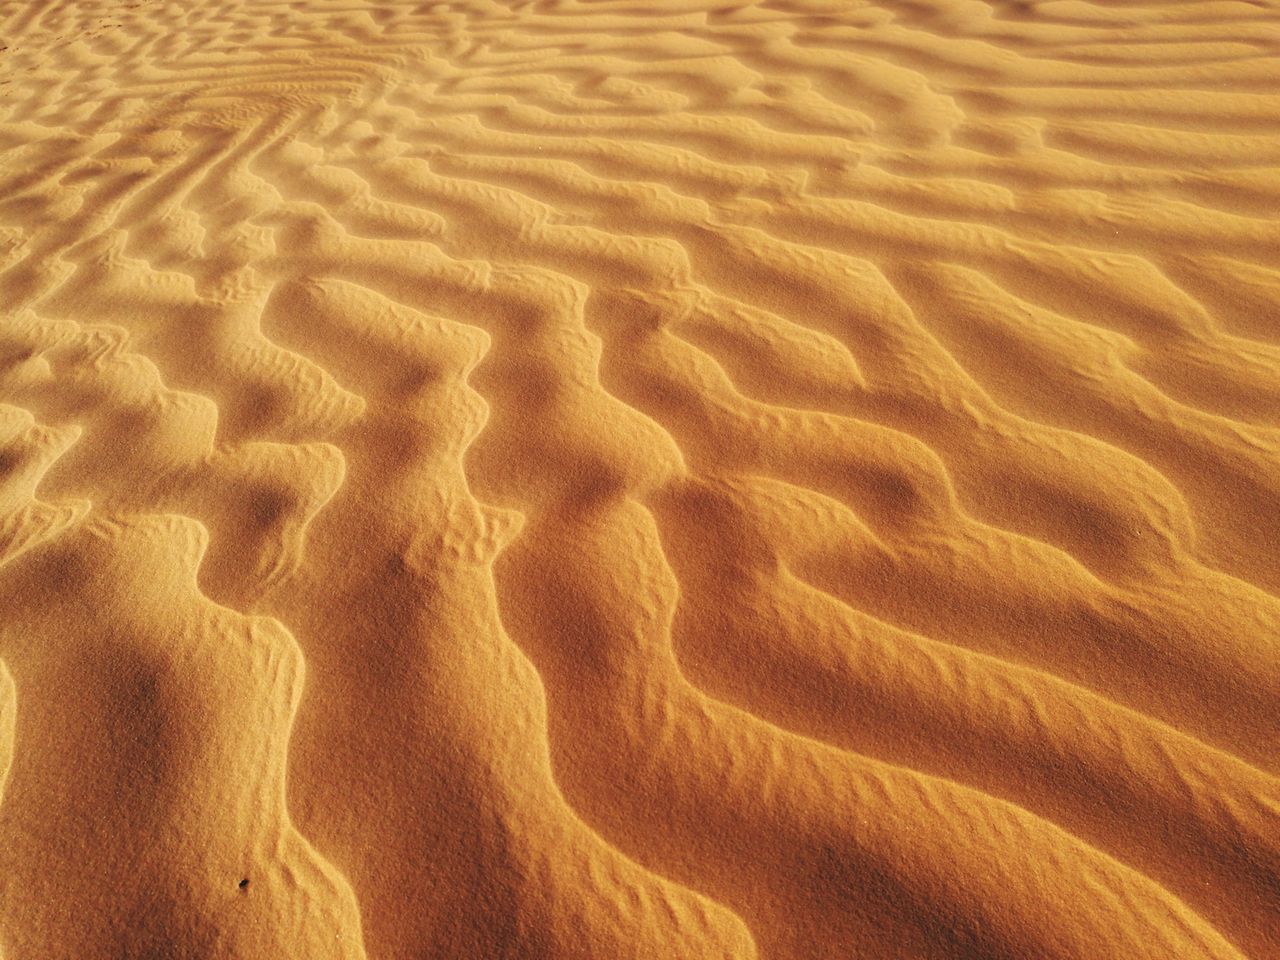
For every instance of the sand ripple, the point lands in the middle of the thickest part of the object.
(787, 480)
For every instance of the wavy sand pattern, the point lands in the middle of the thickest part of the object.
(794, 479)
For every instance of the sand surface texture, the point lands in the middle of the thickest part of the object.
(793, 479)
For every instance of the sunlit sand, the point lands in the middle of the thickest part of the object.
(604, 480)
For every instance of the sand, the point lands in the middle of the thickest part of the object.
(784, 480)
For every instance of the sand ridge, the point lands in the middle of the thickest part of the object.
(787, 479)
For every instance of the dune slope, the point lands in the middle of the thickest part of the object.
(589, 479)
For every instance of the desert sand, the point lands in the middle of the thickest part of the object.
(786, 479)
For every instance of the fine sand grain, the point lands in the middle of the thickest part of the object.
(597, 479)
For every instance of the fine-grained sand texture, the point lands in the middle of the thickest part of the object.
(604, 479)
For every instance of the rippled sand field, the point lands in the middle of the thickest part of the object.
(794, 479)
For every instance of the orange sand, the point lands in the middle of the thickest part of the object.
(560, 479)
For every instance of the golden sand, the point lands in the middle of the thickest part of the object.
(558, 479)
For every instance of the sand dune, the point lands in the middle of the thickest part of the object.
(560, 479)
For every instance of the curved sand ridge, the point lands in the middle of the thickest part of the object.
(597, 480)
